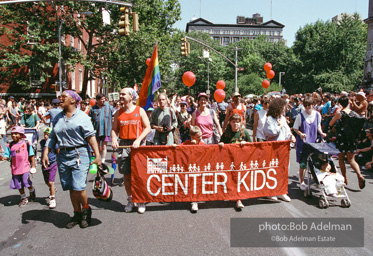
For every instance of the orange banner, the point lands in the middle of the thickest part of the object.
(209, 172)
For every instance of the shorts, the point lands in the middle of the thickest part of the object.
(72, 176)
(103, 138)
(49, 173)
(124, 157)
(20, 181)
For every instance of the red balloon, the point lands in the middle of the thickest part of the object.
(267, 67)
(220, 85)
(271, 74)
(92, 102)
(219, 95)
(189, 78)
(148, 61)
(265, 84)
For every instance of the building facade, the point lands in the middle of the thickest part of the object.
(368, 67)
(245, 27)
(49, 88)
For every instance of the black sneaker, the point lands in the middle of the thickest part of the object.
(86, 217)
(32, 196)
(75, 220)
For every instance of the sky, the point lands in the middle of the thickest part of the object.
(291, 13)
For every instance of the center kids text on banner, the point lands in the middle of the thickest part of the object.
(209, 172)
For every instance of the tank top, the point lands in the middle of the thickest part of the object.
(130, 125)
(239, 111)
(206, 125)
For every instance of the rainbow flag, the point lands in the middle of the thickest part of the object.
(151, 82)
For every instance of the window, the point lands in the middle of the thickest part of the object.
(73, 80)
(72, 41)
(93, 92)
(31, 37)
(80, 80)
(79, 45)
(236, 39)
(35, 77)
(225, 40)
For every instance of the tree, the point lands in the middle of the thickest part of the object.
(128, 57)
(31, 34)
(331, 55)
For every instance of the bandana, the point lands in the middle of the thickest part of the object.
(74, 95)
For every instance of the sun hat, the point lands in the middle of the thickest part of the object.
(361, 94)
(344, 93)
(18, 129)
(184, 102)
(202, 94)
(236, 94)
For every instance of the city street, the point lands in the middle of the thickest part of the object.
(164, 229)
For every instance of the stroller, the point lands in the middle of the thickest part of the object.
(318, 154)
(32, 138)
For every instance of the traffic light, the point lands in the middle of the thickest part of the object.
(185, 47)
(124, 22)
(135, 21)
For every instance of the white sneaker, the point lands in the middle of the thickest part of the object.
(141, 208)
(239, 204)
(129, 206)
(273, 198)
(285, 197)
(194, 207)
(52, 203)
(303, 186)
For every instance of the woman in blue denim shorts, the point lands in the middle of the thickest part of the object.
(72, 132)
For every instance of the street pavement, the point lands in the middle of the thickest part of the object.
(164, 229)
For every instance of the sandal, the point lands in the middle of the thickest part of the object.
(361, 183)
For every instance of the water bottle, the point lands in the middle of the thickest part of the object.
(93, 167)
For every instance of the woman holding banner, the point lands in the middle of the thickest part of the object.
(276, 129)
(205, 118)
(235, 133)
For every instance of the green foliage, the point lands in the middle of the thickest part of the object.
(331, 55)
(326, 54)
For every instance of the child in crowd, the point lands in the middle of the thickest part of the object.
(150, 136)
(20, 153)
(196, 139)
(49, 173)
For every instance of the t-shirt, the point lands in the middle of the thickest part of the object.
(29, 121)
(52, 155)
(235, 137)
(309, 119)
(19, 156)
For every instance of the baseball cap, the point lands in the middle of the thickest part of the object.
(55, 101)
(47, 130)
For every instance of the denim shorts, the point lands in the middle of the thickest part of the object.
(73, 177)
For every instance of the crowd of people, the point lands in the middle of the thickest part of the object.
(75, 129)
